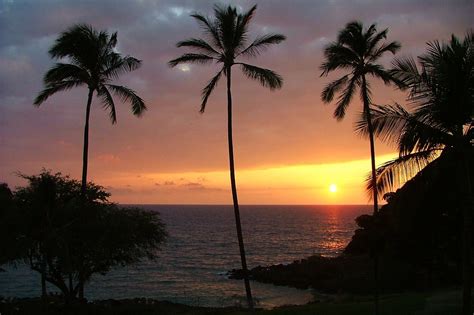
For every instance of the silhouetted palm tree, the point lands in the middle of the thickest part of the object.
(357, 51)
(226, 41)
(91, 61)
(440, 127)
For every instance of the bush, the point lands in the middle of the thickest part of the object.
(67, 238)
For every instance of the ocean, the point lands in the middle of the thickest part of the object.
(202, 247)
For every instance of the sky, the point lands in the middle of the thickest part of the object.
(288, 147)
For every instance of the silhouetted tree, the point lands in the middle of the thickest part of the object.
(92, 61)
(5, 198)
(226, 41)
(439, 128)
(357, 51)
(6, 216)
(65, 246)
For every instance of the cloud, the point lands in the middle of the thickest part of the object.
(200, 187)
(193, 185)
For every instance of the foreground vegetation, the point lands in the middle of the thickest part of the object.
(67, 239)
(429, 303)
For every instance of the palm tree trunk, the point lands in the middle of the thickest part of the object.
(374, 189)
(467, 232)
(368, 117)
(85, 152)
(238, 226)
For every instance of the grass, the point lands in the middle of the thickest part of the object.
(445, 302)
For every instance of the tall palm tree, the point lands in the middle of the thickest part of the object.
(439, 127)
(226, 40)
(91, 61)
(357, 51)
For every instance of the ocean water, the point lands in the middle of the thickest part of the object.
(202, 247)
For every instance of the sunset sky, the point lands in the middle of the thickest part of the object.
(288, 147)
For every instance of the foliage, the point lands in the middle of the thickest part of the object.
(77, 238)
(440, 121)
(357, 51)
(226, 40)
(92, 61)
(6, 215)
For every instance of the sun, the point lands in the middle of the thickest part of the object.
(333, 188)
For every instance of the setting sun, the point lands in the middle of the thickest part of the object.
(333, 188)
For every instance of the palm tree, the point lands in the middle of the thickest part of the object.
(438, 128)
(357, 51)
(226, 41)
(92, 61)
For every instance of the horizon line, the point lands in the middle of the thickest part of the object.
(229, 204)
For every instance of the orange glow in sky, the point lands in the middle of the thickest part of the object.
(296, 184)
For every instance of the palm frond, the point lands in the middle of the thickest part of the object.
(66, 72)
(392, 123)
(338, 56)
(92, 60)
(210, 28)
(422, 135)
(351, 35)
(369, 34)
(345, 98)
(388, 122)
(206, 92)
(241, 27)
(191, 58)
(112, 41)
(261, 43)
(81, 45)
(387, 77)
(107, 102)
(406, 71)
(392, 47)
(393, 174)
(228, 33)
(335, 86)
(373, 41)
(71, 40)
(116, 65)
(226, 19)
(435, 53)
(54, 88)
(198, 44)
(356, 50)
(247, 16)
(127, 95)
(266, 77)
